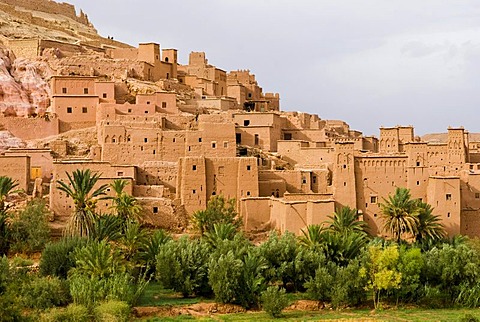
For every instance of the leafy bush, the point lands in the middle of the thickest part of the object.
(469, 318)
(182, 266)
(280, 253)
(236, 273)
(97, 260)
(29, 231)
(45, 292)
(112, 311)
(5, 274)
(274, 300)
(218, 211)
(72, 313)
(87, 291)
(57, 257)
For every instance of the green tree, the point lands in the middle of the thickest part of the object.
(312, 236)
(218, 211)
(79, 188)
(29, 231)
(400, 214)
(346, 220)
(126, 206)
(381, 271)
(429, 228)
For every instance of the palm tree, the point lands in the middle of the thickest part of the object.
(429, 227)
(345, 220)
(312, 236)
(79, 188)
(6, 187)
(400, 214)
(125, 205)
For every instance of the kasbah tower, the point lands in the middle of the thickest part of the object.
(182, 133)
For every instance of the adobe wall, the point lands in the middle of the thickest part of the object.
(444, 196)
(302, 154)
(344, 175)
(296, 181)
(378, 177)
(39, 158)
(255, 213)
(199, 178)
(17, 168)
(158, 173)
(294, 216)
(75, 109)
(30, 128)
(163, 213)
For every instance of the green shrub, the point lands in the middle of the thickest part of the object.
(87, 291)
(57, 257)
(10, 308)
(97, 260)
(123, 287)
(72, 313)
(280, 253)
(5, 274)
(224, 277)
(182, 266)
(112, 311)
(319, 287)
(218, 211)
(29, 231)
(45, 292)
(274, 300)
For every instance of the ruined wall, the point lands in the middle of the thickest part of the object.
(305, 154)
(41, 162)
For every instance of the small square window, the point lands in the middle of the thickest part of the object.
(85, 91)
(249, 167)
(69, 110)
(145, 140)
(418, 183)
(129, 110)
(64, 90)
(153, 151)
(448, 196)
(418, 163)
(448, 215)
(194, 191)
(248, 193)
(164, 104)
(246, 122)
(199, 139)
(84, 110)
(373, 199)
(120, 174)
(477, 195)
(225, 144)
(104, 95)
(148, 102)
(155, 210)
(214, 145)
(146, 112)
(194, 167)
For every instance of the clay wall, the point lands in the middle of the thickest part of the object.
(163, 213)
(221, 104)
(444, 196)
(305, 154)
(238, 92)
(158, 173)
(30, 128)
(377, 177)
(17, 168)
(344, 175)
(164, 102)
(105, 91)
(305, 135)
(296, 181)
(151, 191)
(41, 161)
(72, 85)
(294, 216)
(255, 212)
(200, 178)
(75, 109)
(389, 140)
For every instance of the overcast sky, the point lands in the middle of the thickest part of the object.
(369, 63)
